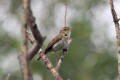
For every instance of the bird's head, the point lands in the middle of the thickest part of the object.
(66, 31)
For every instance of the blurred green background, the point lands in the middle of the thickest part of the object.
(92, 54)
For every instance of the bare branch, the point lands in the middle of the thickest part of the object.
(30, 37)
(23, 57)
(33, 51)
(35, 46)
(50, 66)
(7, 77)
(114, 14)
(115, 19)
(36, 34)
(60, 61)
(33, 27)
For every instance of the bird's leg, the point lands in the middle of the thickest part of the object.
(64, 51)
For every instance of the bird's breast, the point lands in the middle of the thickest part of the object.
(62, 44)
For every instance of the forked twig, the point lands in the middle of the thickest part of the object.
(30, 37)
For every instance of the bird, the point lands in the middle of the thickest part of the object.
(59, 42)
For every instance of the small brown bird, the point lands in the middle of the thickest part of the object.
(60, 42)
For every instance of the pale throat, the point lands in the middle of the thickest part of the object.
(69, 34)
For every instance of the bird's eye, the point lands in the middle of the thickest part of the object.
(64, 29)
(65, 34)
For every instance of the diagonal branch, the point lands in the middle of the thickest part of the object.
(35, 46)
(50, 66)
(33, 26)
(33, 51)
(60, 61)
(114, 14)
(115, 19)
(30, 37)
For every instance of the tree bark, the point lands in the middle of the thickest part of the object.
(115, 19)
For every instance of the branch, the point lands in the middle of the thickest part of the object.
(24, 62)
(62, 57)
(115, 19)
(49, 65)
(60, 61)
(33, 26)
(7, 77)
(36, 34)
(37, 37)
(114, 14)
(33, 51)
(30, 37)
(35, 46)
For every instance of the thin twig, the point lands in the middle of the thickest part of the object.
(60, 61)
(50, 66)
(35, 46)
(33, 26)
(7, 77)
(115, 19)
(65, 16)
(30, 37)
(33, 51)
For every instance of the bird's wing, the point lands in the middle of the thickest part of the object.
(53, 41)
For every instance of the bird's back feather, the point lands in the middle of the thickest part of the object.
(53, 41)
